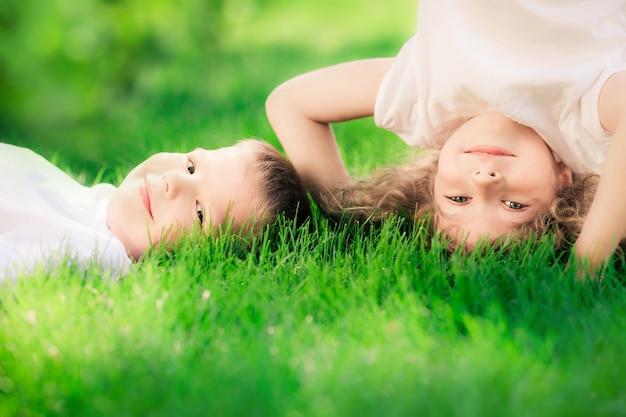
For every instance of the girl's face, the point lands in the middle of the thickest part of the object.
(174, 192)
(494, 175)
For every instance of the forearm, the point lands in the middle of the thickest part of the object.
(309, 144)
(302, 109)
(605, 224)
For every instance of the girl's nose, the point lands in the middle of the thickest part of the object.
(486, 176)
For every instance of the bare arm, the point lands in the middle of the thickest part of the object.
(302, 109)
(605, 225)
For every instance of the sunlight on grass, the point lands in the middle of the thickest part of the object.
(342, 322)
(324, 25)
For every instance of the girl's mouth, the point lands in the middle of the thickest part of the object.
(489, 150)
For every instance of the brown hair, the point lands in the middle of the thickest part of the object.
(281, 190)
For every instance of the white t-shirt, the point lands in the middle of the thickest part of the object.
(46, 218)
(542, 63)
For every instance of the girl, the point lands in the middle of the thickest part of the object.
(513, 94)
(47, 217)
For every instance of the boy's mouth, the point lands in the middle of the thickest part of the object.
(145, 197)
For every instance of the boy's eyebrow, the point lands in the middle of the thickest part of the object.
(200, 157)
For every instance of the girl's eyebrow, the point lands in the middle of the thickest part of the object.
(459, 215)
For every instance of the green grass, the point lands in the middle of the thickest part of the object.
(340, 321)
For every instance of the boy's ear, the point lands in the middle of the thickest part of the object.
(565, 174)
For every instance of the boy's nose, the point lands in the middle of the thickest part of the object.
(170, 183)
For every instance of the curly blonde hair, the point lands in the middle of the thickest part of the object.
(408, 191)
(566, 214)
(403, 190)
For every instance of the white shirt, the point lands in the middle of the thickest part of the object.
(47, 218)
(542, 63)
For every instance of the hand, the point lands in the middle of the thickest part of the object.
(590, 261)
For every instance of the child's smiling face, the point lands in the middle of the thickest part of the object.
(174, 192)
(494, 175)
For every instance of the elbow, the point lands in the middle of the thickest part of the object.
(272, 102)
(276, 104)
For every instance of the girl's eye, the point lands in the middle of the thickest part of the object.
(458, 199)
(200, 213)
(513, 205)
(191, 168)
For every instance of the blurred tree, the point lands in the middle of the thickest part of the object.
(65, 60)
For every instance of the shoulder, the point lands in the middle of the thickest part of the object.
(54, 245)
(612, 102)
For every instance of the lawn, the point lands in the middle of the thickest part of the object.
(340, 320)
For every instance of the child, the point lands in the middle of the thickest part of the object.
(513, 94)
(47, 217)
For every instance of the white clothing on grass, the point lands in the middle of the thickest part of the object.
(46, 217)
(541, 63)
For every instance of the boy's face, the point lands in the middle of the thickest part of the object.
(494, 175)
(173, 192)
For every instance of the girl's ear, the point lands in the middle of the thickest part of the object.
(565, 174)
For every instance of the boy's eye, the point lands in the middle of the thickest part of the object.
(458, 199)
(200, 213)
(191, 168)
(514, 205)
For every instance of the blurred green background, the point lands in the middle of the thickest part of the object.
(98, 85)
